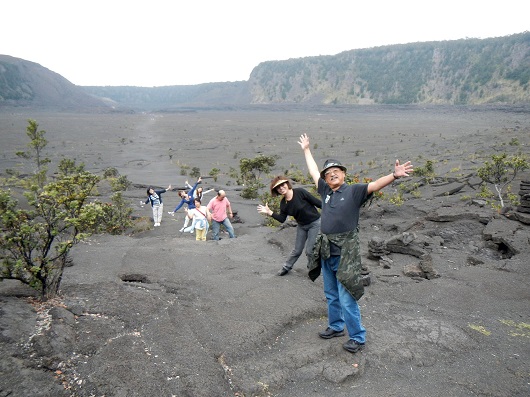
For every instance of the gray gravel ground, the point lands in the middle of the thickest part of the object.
(160, 314)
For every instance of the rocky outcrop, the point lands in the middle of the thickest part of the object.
(453, 213)
(417, 246)
(424, 269)
(523, 209)
(510, 238)
(524, 192)
(406, 243)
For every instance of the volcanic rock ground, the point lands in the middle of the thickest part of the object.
(160, 314)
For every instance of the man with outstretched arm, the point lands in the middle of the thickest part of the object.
(337, 249)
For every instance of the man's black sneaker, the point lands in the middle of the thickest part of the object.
(330, 333)
(283, 272)
(353, 346)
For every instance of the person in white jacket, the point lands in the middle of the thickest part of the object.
(200, 216)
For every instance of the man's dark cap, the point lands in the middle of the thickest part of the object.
(329, 163)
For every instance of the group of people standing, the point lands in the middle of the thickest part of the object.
(331, 237)
(328, 228)
(218, 211)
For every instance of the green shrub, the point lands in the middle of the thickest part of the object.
(251, 170)
(195, 172)
(214, 173)
(69, 167)
(427, 170)
(120, 183)
(501, 171)
(37, 236)
(116, 216)
(110, 172)
(397, 198)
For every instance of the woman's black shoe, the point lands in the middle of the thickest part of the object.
(283, 272)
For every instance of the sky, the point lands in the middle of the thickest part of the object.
(172, 42)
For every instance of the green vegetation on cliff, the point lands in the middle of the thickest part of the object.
(459, 72)
(469, 71)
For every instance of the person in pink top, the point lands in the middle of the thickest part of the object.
(221, 210)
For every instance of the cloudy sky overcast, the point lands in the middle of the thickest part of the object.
(173, 42)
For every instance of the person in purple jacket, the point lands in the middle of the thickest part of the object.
(302, 206)
(186, 198)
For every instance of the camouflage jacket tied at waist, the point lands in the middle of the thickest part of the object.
(349, 270)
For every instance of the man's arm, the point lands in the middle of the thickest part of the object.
(229, 208)
(312, 199)
(400, 170)
(310, 161)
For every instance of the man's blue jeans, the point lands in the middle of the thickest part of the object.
(306, 235)
(342, 307)
(217, 225)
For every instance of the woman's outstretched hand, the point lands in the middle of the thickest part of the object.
(264, 209)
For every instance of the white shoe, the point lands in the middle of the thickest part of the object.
(171, 213)
(181, 230)
(191, 231)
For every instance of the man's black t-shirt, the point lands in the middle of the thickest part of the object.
(340, 208)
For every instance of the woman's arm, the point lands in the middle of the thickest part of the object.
(264, 209)
(191, 193)
(312, 199)
(180, 205)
